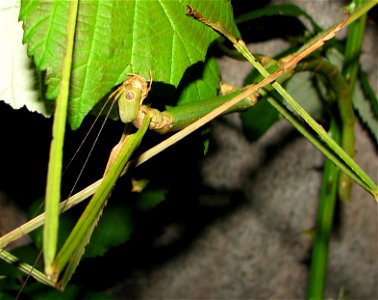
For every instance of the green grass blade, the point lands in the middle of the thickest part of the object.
(50, 233)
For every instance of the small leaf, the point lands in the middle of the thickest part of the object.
(5, 296)
(114, 228)
(302, 89)
(38, 292)
(205, 84)
(369, 92)
(365, 112)
(96, 295)
(150, 198)
(257, 120)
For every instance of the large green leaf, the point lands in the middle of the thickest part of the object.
(19, 81)
(201, 82)
(117, 37)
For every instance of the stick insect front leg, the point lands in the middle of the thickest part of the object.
(130, 97)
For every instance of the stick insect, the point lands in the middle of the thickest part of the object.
(133, 92)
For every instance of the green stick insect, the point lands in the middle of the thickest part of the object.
(130, 97)
(185, 119)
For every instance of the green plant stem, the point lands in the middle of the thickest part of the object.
(324, 220)
(50, 231)
(351, 64)
(343, 96)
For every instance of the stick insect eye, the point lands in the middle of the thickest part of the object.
(134, 90)
(130, 95)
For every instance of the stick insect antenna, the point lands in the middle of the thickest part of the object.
(94, 143)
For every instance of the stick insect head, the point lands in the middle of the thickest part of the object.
(131, 96)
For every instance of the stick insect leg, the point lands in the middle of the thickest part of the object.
(115, 151)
